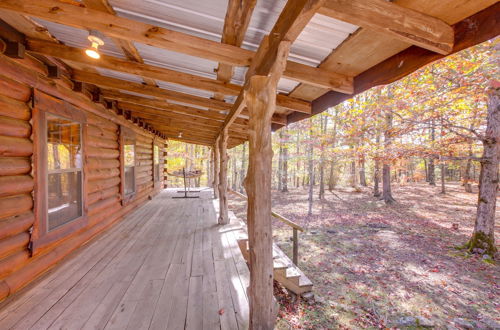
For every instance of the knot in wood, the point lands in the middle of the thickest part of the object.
(54, 10)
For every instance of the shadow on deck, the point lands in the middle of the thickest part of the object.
(168, 265)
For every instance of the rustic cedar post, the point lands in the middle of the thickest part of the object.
(210, 173)
(260, 97)
(223, 216)
(216, 168)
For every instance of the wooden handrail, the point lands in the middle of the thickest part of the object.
(295, 227)
(274, 214)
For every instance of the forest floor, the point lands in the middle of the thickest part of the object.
(386, 266)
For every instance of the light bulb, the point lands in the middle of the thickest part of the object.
(93, 51)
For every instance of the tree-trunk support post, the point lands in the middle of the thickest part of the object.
(215, 183)
(223, 213)
(260, 98)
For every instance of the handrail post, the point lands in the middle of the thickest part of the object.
(295, 247)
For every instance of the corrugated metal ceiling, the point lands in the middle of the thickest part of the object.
(206, 19)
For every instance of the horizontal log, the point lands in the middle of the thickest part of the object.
(31, 63)
(103, 194)
(94, 164)
(15, 243)
(102, 143)
(15, 205)
(15, 185)
(14, 146)
(103, 123)
(103, 174)
(145, 150)
(96, 131)
(10, 107)
(94, 186)
(16, 224)
(14, 165)
(102, 153)
(110, 212)
(142, 144)
(14, 127)
(102, 204)
(13, 262)
(14, 89)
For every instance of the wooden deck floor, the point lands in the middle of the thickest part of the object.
(168, 265)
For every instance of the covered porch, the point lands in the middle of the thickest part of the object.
(168, 265)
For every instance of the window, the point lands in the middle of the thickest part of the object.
(64, 170)
(156, 163)
(59, 139)
(128, 164)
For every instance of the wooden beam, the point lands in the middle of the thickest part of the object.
(118, 27)
(164, 105)
(118, 84)
(478, 28)
(170, 112)
(238, 15)
(76, 55)
(401, 23)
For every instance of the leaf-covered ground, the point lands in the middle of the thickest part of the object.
(378, 266)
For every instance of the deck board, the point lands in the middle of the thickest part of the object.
(167, 265)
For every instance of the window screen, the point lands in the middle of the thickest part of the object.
(129, 165)
(64, 157)
(156, 159)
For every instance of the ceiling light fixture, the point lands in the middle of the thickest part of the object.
(93, 51)
(180, 135)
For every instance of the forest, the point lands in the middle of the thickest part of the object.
(387, 186)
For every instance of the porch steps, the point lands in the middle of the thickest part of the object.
(285, 272)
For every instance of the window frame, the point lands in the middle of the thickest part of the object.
(157, 177)
(43, 105)
(127, 133)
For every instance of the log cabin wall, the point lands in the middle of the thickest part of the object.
(20, 79)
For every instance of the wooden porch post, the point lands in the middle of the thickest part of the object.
(223, 216)
(260, 98)
(216, 168)
(210, 171)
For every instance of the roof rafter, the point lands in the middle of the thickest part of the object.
(401, 23)
(238, 15)
(290, 23)
(113, 83)
(164, 105)
(115, 26)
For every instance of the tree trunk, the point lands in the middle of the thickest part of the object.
(235, 174)
(376, 173)
(223, 215)
(483, 237)
(331, 179)
(260, 98)
(280, 161)
(362, 174)
(324, 125)
(311, 171)
(243, 166)
(443, 173)
(285, 165)
(467, 179)
(432, 175)
(386, 168)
